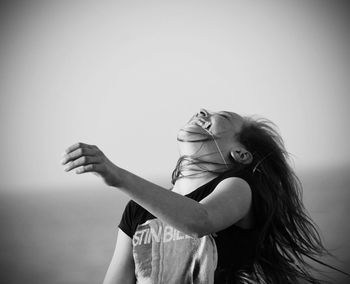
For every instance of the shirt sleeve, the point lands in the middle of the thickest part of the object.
(127, 221)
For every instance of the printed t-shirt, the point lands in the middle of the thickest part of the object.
(162, 254)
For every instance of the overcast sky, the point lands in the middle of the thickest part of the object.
(126, 75)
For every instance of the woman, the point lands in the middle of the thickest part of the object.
(234, 214)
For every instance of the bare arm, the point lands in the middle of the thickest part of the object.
(229, 202)
(121, 270)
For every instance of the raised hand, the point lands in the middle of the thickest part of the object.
(89, 158)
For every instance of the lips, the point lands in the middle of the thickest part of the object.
(201, 122)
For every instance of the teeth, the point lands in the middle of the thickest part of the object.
(206, 125)
(201, 123)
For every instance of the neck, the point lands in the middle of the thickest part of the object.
(207, 151)
(187, 184)
(192, 172)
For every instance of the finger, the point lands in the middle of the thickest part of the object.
(82, 161)
(77, 154)
(89, 168)
(77, 146)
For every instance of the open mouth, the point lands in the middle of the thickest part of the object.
(204, 135)
(202, 123)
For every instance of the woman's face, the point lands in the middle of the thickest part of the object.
(223, 125)
(212, 136)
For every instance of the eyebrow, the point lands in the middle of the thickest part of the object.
(225, 115)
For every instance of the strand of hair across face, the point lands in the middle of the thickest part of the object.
(217, 146)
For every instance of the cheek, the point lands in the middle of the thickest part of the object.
(224, 127)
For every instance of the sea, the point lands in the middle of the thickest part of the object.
(66, 235)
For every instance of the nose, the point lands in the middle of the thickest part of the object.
(203, 112)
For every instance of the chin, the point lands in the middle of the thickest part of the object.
(192, 133)
(182, 135)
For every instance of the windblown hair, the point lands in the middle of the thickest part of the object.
(286, 233)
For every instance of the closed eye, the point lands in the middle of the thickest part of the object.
(224, 115)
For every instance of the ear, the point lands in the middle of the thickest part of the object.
(241, 155)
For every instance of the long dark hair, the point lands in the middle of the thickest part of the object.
(287, 235)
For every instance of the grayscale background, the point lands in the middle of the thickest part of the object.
(126, 75)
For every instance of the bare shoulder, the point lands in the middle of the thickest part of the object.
(235, 187)
(242, 188)
(229, 203)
